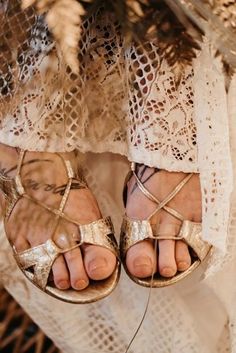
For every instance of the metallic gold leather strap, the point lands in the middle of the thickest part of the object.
(65, 196)
(64, 199)
(191, 233)
(13, 190)
(20, 162)
(19, 191)
(19, 186)
(8, 187)
(41, 259)
(15, 187)
(165, 230)
(55, 211)
(162, 204)
(99, 233)
(134, 231)
(169, 197)
(37, 262)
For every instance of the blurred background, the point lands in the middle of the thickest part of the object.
(18, 333)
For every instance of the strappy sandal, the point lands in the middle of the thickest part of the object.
(135, 231)
(36, 263)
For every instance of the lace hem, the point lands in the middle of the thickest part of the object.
(123, 96)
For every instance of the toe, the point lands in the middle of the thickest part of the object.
(141, 259)
(21, 244)
(78, 277)
(60, 273)
(182, 256)
(167, 264)
(65, 237)
(100, 263)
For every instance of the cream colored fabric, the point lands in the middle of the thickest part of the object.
(189, 317)
(212, 120)
(126, 101)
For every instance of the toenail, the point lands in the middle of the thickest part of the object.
(97, 264)
(168, 271)
(142, 261)
(81, 284)
(183, 265)
(63, 284)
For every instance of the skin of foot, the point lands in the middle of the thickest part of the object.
(44, 177)
(171, 256)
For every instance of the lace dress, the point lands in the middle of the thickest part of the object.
(126, 100)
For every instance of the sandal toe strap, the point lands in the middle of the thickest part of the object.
(100, 233)
(134, 231)
(41, 259)
(191, 233)
(165, 231)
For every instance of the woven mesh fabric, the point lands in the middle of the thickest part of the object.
(125, 100)
(129, 92)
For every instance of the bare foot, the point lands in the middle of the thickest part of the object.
(44, 178)
(172, 255)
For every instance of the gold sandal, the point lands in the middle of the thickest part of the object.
(135, 231)
(36, 263)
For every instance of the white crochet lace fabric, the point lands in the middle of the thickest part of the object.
(160, 111)
(124, 100)
(211, 116)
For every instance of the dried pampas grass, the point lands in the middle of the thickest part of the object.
(64, 20)
(137, 18)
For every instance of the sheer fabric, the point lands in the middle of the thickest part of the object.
(125, 100)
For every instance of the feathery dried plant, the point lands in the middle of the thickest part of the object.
(137, 18)
(217, 20)
(64, 20)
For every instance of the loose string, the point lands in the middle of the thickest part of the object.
(146, 307)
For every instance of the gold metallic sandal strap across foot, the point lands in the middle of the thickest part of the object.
(41, 258)
(11, 195)
(191, 234)
(100, 233)
(14, 190)
(133, 232)
(170, 196)
(36, 263)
